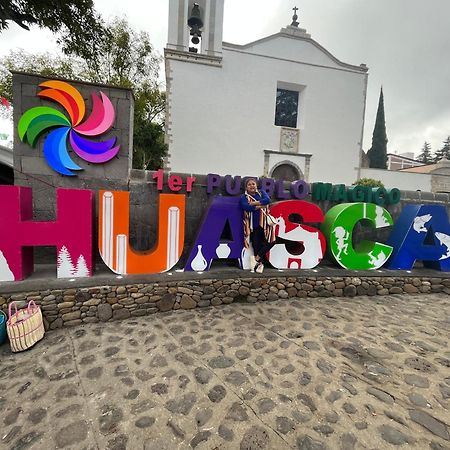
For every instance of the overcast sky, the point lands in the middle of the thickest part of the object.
(405, 44)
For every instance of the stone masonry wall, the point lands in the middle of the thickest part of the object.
(106, 303)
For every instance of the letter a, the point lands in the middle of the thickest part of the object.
(422, 232)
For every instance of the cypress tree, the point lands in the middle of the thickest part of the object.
(425, 156)
(444, 152)
(378, 152)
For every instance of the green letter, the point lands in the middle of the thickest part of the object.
(339, 193)
(321, 191)
(338, 229)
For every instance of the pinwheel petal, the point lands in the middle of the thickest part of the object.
(86, 153)
(32, 113)
(65, 100)
(92, 147)
(56, 154)
(70, 90)
(40, 124)
(101, 118)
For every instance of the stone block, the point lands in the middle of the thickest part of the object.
(104, 312)
(120, 314)
(350, 291)
(73, 323)
(90, 320)
(442, 197)
(426, 196)
(166, 303)
(71, 316)
(410, 289)
(187, 302)
(395, 290)
(65, 305)
(35, 166)
(58, 323)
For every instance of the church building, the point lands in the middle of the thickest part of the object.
(281, 106)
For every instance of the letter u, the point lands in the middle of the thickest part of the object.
(113, 234)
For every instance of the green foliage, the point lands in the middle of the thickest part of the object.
(149, 148)
(425, 155)
(78, 27)
(370, 182)
(127, 59)
(378, 152)
(44, 64)
(444, 152)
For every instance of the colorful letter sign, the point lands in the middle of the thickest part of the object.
(421, 232)
(310, 240)
(338, 227)
(113, 234)
(71, 233)
(208, 245)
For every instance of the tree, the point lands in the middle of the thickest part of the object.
(369, 182)
(425, 156)
(127, 59)
(444, 152)
(78, 26)
(378, 152)
(64, 263)
(43, 64)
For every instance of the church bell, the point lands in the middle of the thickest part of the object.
(195, 23)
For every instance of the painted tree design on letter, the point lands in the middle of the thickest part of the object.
(64, 264)
(82, 269)
(5, 271)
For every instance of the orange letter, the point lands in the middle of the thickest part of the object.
(113, 234)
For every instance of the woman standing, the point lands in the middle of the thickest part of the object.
(256, 229)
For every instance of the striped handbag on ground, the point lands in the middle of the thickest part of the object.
(25, 327)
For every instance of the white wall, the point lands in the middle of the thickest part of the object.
(407, 181)
(280, 47)
(221, 119)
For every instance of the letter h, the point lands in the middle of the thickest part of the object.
(71, 233)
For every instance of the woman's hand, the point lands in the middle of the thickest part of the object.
(254, 203)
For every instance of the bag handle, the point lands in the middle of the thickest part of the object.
(31, 306)
(9, 310)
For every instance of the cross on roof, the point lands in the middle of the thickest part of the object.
(294, 18)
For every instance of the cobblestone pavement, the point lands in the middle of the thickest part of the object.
(363, 373)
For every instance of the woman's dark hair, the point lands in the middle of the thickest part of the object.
(250, 179)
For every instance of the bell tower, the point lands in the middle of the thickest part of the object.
(195, 27)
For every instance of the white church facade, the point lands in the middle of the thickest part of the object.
(281, 106)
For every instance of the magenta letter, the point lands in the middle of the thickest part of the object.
(71, 233)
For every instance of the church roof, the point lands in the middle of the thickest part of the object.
(298, 34)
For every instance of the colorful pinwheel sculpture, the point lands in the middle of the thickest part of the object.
(41, 118)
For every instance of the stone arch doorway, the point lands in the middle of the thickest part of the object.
(286, 171)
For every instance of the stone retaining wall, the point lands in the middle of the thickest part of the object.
(105, 303)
